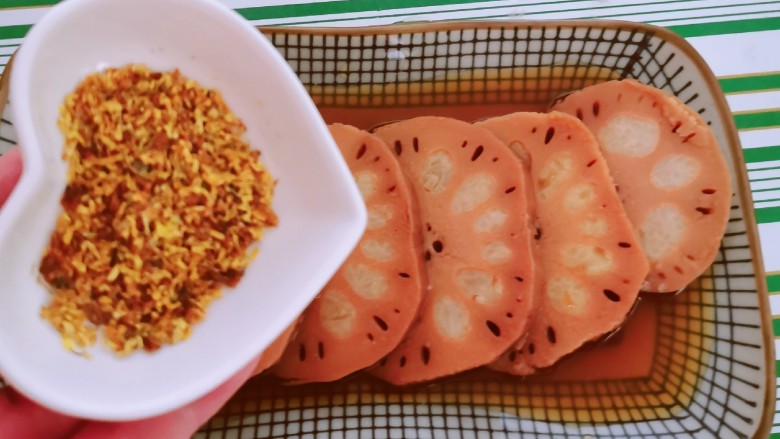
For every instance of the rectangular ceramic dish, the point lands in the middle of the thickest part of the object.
(697, 364)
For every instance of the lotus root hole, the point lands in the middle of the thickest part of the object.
(493, 327)
(662, 230)
(398, 147)
(490, 221)
(496, 253)
(337, 313)
(437, 173)
(519, 150)
(611, 295)
(579, 196)
(451, 318)
(548, 136)
(551, 337)
(378, 216)
(366, 183)
(480, 286)
(365, 281)
(360, 152)
(594, 227)
(629, 135)
(674, 172)
(595, 260)
(477, 152)
(381, 323)
(557, 169)
(474, 191)
(381, 251)
(566, 295)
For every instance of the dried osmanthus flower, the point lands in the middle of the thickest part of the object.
(164, 198)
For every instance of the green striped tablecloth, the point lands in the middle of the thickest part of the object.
(740, 39)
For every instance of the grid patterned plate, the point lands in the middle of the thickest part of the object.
(696, 364)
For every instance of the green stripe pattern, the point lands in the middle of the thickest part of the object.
(764, 119)
(765, 154)
(773, 284)
(330, 8)
(761, 119)
(727, 27)
(9, 32)
(743, 84)
(27, 3)
(768, 215)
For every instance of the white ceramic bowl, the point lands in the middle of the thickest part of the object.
(321, 213)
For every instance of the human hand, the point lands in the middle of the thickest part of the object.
(10, 171)
(22, 418)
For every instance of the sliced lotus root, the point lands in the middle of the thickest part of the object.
(368, 306)
(274, 351)
(473, 206)
(671, 176)
(590, 265)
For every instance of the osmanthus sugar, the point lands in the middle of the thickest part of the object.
(164, 198)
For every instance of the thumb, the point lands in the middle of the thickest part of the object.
(10, 170)
(182, 423)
